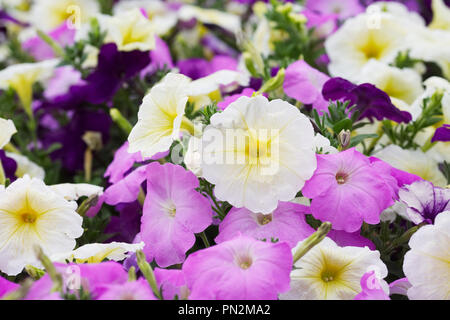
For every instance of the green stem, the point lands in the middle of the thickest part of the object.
(147, 271)
(312, 240)
(57, 49)
(120, 120)
(204, 239)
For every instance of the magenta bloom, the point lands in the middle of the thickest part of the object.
(40, 50)
(135, 290)
(343, 8)
(94, 278)
(6, 287)
(371, 288)
(304, 83)
(239, 269)
(287, 223)
(323, 24)
(172, 283)
(247, 92)
(63, 78)
(354, 239)
(173, 213)
(346, 189)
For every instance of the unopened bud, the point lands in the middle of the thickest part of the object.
(344, 138)
(312, 240)
(250, 64)
(275, 82)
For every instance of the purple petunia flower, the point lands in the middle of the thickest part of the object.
(70, 136)
(370, 101)
(442, 133)
(173, 212)
(424, 201)
(304, 83)
(286, 223)
(127, 225)
(239, 269)
(345, 182)
(9, 166)
(353, 239)
(247, 92)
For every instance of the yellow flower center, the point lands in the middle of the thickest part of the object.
(28, 217)
(264, 219)
(244, 261)
(341, 178)
(373, 48)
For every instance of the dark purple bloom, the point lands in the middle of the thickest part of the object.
(370, 101)
(114, 67)
(424, 201)
(127, 225)
(9, 166)
(70, 136)
(442, 133)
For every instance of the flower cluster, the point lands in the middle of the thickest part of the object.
(224, 150)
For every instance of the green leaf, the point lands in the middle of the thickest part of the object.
(344, 124)
(357, 139)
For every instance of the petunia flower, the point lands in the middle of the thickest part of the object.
(342, 184)
(331, 272)
(353, 239)
(371, 288)
(286, 223)
(247, 92)
(424, 201)
(97, 252)
(48, 14)
(370, 101)
(6, 287)
(426, 263)
(31, 214)
(375, 34)
(256, 147)
(130, 30)
(239, 269)
(344, 9)
(21, 77)
(7, 130)
(26, 167)
(413, 161)
(442, 133)
(441, 15)
(94, 278)
(8, 167)
(160, 116)
(161, 14)
(134, 290)
(173, 213)
(172, 283)
(63, 35)
(304, 83)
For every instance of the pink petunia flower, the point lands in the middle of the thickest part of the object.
(6, 287)
(371, 288)
(173, 212)
(135, 290)
(343, 8)
(286, 223)
(172, 283)
(346, 189)
(304, 83)
(239, 269)
(353, 239)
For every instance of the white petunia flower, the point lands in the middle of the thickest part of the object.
(426, 264)
(21, 78)
(330, 272)
(97, 252)
(32, 214)
(74, 191)
(413, 161)
(26, 167)
(7, 130)
(160, 116)
(193, 156)
(50, 14)
(322, 145)
(130, 30)
(158, 12)
(379, 36)
(258, 152)
(227, 21)
(441, 15)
